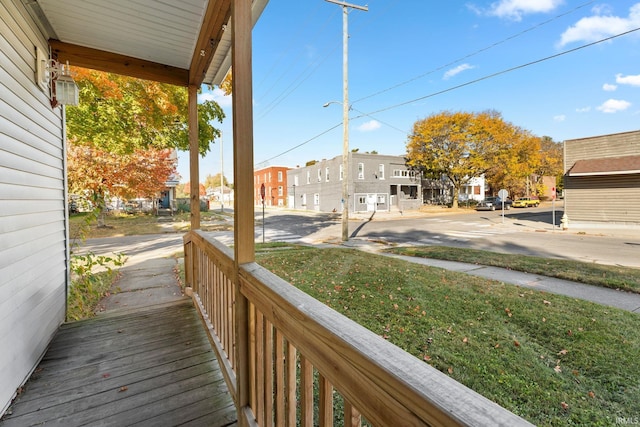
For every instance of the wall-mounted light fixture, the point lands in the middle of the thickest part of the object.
(55, 79)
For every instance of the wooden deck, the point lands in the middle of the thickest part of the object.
(152, 366)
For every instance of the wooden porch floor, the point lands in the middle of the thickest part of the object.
(152, 366)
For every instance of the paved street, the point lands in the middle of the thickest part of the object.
(522, 231)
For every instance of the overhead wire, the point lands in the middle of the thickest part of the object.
(508, 70)
(477, 52)
(470, 82)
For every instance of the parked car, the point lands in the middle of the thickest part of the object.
(525, 202)
(493, 203)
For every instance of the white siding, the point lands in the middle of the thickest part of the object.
(33, 252)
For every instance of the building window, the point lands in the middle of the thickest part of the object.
(362, 200)
(308, 177)
(341, 173)
(280, 191)
(295, 181)
(403, 173)
(360, 170)
(319, 175)
(269, 176)
(381, 199)
(304, 200)
(380, 171)
(326, 174)
(279, 176)
(316, 199)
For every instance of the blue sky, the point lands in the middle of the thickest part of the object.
(530, 60)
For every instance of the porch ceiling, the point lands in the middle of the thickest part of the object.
(185, 42)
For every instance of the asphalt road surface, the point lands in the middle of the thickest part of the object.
(521, 231)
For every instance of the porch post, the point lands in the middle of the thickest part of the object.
(243, 183)
(194, 153)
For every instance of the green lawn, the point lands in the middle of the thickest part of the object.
(608, 276)
(550, 359)
(84, 225)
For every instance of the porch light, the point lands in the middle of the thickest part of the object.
(55, 78)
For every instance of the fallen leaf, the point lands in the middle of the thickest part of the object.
(569, 332)
(106, 375)
(516, 343)
(427, 357)
(592, 395)
(544, 319)
(450, 370)
(546, 302)
(497, 345)
(123, 388)
(557, 369)
(564, 405)
(465, 340)
(562, 352)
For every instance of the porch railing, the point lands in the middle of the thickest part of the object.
(310, 365)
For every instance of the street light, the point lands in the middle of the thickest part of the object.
(345, 112)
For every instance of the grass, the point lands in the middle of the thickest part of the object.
(616, 277)
(84, 295)
(551, 359)
(140, 224)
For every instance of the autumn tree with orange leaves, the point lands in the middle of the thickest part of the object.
(123, 132)
(463, 145)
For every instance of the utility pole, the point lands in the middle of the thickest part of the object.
(345, 113)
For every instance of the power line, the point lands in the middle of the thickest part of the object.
(508, 70)
(303, 143)
(477, 52)
(487, 77)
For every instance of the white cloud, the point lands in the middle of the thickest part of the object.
(369, 126)
(609, 87)
(583, 110)
(559, 118)
(515, 9)
(628, 80)
(614, 105)
(599, 26)
(457, 70)
(218, 96)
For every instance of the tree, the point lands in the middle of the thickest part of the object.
(121, 114)
(550, 161)
(120, 119)
(101, 174)
(214, 181)
(458, 145)
(201, 189)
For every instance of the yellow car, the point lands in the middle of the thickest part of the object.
(525, 202)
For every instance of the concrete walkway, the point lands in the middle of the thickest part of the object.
(148, 277)
(624, 300)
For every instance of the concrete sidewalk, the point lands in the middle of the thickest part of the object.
(610, 297)
(148, 277)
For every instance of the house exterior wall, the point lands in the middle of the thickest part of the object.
(602, 198)
(376, 182)
(274, 179)
(33, 219)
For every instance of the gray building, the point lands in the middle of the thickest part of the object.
(602, 178)
(376, 182)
